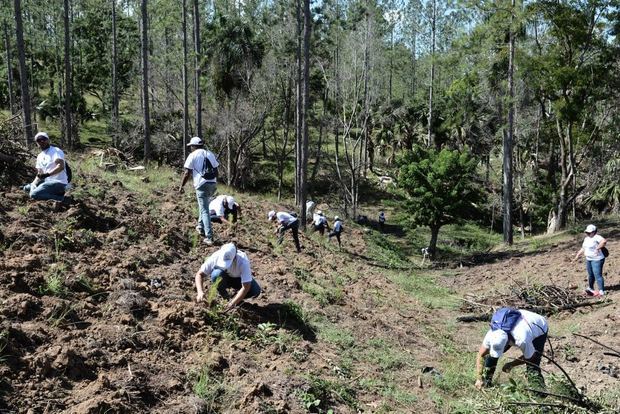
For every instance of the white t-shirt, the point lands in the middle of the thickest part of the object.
(590, 244)
(529, 327)
(338, 226)
(317, 219)
(217, 205)
(46, 161)
(195, 162)
(285, 218)
(240, 267)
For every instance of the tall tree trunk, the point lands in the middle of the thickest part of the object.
(432, 81)
(145, 82)
(366, 97)
(508, 140)
(432, 245)
(298, 107)
(185, 86)
(197, 52)
(9, 68)
(115, 112)
(23, 75)
(304, 112)
(68, 82)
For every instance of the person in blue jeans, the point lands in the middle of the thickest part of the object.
(229, 267)
(201, 165)
(591, 248)
(51, 180)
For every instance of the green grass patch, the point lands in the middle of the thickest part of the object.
(425, 289)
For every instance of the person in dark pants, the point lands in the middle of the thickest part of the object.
(529, 334)
(319, 223)
(382, 221)
(222, 207)
(232, 268)
(336, 231)
(286, 221)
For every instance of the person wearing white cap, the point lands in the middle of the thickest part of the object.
(223, 206)
(336, 231)
(201, 165)
(319, 222)
(232, 267)
(593, 248)
(51, 180)
(286, 221)
(524, 329)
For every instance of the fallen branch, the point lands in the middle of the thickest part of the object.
(565, 397)
(537, 404)
(614, 351)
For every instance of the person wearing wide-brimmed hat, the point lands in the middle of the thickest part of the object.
(201, 165)
(592, 248)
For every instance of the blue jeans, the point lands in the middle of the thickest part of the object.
(204, 193)
(232, 282)
(595, 271)
(47, 191)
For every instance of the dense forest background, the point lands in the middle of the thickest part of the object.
(517, 99)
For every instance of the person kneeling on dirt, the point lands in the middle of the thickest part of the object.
(337, 230)
(286, 221)
(51, 180)
(222, 207)
(319, 222)
(228, 268)
(527, 330)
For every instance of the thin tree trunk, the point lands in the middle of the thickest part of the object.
(197, 52)
(366, 97)
(115, 112)
(430, 89)
(305, 112)
(185, 86)
(23, 75)
(9, 68)
(145, 82)
(68, 82)
(508, 140)
(432, 246)
(298, 108)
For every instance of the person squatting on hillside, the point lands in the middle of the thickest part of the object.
(336, 231)
(229, 267)
(286, 221)
(592, 248)
(223, 206)
(527, 330)
(319, 222)
(51, 180)
(202, 165)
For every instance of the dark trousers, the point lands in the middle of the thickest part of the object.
(232, 282)
(294, 226)
(320, 228)
(337, 234)
(534, 375)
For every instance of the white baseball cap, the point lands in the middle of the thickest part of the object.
(227, 254)
(591, 228)
(336, 218)
(498, 340)
(230, 201)
(271, 215)
(195, 142)
(319, 212)
(41, 136)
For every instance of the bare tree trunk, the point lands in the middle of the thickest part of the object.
(115, 112)
(9, 68)
(508, 141)
(68, 82)
(304, 112)
(23, 75)
(430, 89)
(185, 86)
(145, 82)
(366, 97)
(298, 107)
(197, 50)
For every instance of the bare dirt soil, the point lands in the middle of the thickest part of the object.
(85, 328)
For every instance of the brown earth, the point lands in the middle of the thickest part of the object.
(106, 340)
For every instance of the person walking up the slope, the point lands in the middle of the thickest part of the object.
(229, 267)
(524, 329)
(201, 165)
(593, 248)
(319, 222)
(285, 222)
(336, 231)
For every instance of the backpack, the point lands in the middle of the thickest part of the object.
(292, 213)
(208, 171)
(68, 171)
(505, 319)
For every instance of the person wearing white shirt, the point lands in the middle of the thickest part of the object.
(592, 249)
(319, 222)
(222, 207)
(232, 267)
(286, 221)
(51, 180)
(201, 165)
(336, 231)
(529, 334)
